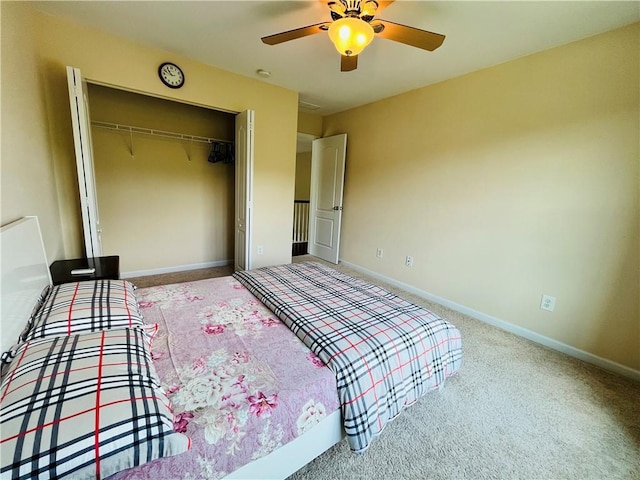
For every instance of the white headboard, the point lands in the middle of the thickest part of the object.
(25, 273)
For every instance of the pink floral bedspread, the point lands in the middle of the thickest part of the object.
(241, 383)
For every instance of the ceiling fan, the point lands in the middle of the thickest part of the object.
(354, 25)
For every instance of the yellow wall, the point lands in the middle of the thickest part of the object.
(179, 206)
(53, 43)
(509, 183)
(28, 176)
(303, 176)
(309, 123)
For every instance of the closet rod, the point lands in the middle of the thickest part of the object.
(157, 133)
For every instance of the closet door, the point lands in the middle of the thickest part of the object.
(244, 190)
(81, 122)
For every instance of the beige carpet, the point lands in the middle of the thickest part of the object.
(516, 410)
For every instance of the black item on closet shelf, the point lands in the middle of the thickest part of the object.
(215, 155)
(221, 152)
(230, 157)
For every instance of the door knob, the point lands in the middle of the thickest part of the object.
(337, 208)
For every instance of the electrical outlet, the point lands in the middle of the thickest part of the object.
(260, 249)
(379, 253)
(548, 303)
(408, 261)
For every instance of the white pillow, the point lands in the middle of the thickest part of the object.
(84, 406)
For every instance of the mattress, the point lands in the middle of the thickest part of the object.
(241, 383)
(385, 351)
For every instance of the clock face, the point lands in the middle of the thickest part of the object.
(171, 75)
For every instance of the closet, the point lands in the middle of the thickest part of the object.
(164, 177)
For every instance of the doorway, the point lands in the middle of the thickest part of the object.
(163, 188)
(166, 201)
(302, 194)
(325, 168)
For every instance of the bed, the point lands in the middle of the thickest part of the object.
(242, 385)
(245, 371)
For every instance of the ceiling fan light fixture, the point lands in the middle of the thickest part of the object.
(350, 35)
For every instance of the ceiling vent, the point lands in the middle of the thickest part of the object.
(307, 106)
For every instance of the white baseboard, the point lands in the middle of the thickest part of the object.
(509, 327)
(177, 268)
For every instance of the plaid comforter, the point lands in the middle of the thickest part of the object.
(385, 351)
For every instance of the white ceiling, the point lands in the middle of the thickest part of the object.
(227, 34)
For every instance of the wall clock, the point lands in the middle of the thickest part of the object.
(171, 75)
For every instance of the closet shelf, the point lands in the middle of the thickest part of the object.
(157, 133)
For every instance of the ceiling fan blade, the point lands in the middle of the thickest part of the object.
(296, 33)
(408, 35)
(348, 63)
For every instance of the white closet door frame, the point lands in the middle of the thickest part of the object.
(81, 123)
(244, 190)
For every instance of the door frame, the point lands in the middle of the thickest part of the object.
(79, 106)
(243, 209)
(81, 125)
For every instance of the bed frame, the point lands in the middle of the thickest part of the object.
(24, 275)
(294, 455)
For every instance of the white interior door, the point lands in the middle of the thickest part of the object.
(325, 205)
(244, 189)
(81, 122)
